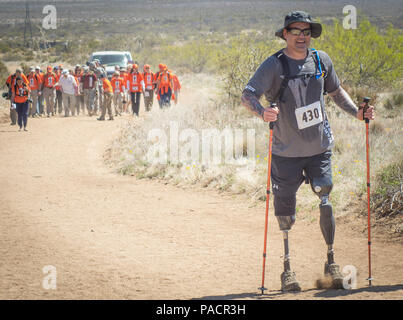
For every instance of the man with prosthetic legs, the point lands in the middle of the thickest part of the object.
(296, 78)
(287, 176)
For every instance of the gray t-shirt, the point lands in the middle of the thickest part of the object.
(304, 132)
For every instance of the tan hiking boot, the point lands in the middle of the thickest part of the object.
(333, 271)
(289, 282)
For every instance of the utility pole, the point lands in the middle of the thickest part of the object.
(27, 42)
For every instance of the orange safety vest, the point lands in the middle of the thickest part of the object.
(176, 83)
(34, 81)
(135, 79)
(148, 80)
(106, 85)
(49, 80)
(40, 75)
(125, 78)
(118, 84)
(165, 81)
(21, 93)
(12, 79)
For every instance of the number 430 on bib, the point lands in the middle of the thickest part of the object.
(309, 115)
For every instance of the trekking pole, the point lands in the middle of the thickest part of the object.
(366, 101)
(271, 124)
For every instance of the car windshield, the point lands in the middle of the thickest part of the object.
(112, 59)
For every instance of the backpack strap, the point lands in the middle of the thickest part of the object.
(285, 76)
(24, 86)
(319, 64)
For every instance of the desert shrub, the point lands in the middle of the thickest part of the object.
(25, 68)
(13, 56)
(240, 60)
(364, 56)
(4, 47)
(387, 200)
(395, 102)
(389, 179)
(4, 73)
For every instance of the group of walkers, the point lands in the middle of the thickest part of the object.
(88, 88)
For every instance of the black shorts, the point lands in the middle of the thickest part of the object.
(288, 173)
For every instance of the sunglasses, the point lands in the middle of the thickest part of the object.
(297, 32)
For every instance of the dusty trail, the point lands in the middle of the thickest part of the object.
(115, 237)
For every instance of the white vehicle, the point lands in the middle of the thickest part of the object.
(111, 59)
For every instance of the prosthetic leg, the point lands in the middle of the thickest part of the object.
(322, 188)
(284, 205)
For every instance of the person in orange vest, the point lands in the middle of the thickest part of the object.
(148, 77)
(136, 88)
(118, 86)
(78, 74)
(124, 75)
(40, 74)
(164, 88)
(48, 90)
(35, 83)
(10, 82)
(59, 95)
(176, 86)
(107, 100)
(19, 95)
(156, 75)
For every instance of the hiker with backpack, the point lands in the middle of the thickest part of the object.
(164, 87)
(11, 82)
(296, 79)
(35, 82)
(19, 95)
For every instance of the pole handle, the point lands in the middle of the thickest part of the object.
(366, 105)
(272, 105)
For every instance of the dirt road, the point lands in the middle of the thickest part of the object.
(115, 237)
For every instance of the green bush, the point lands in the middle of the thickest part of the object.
(364, 56)
(395, 102)
(389, 178)
(240, 60)
(4, 73)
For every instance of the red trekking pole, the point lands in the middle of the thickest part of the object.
(271, 124)
(366, 101)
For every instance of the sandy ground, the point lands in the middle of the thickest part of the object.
(114, 237)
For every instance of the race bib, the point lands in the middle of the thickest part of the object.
(135, 88)
(309, 115)
(50, 81)
(146, 94)
(149, 87)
